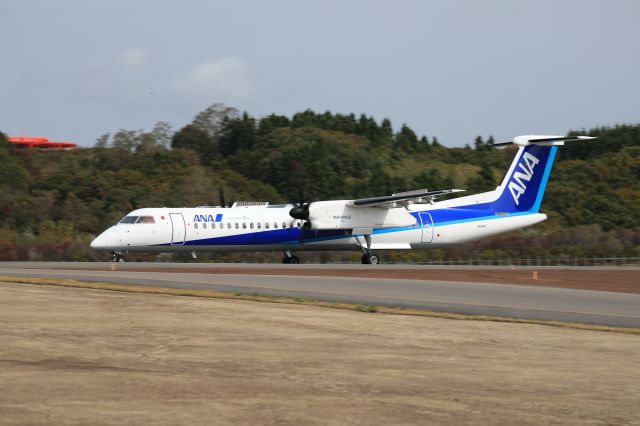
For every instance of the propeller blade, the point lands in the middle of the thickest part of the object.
(221, 196)
(300, 211)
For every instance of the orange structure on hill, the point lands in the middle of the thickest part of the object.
(30, 142)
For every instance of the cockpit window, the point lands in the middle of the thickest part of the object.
(138, 219)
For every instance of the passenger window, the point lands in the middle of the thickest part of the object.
(195, 226)
(244, 225)
(221, 225)
(275, 225)
(284, 225)
(228, 225)
(291, 225)
(251, 225)
(259, 225)
(266, 225)
(237, 225)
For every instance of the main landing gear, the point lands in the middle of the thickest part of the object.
(118, 257)
(290, 259)
(369, 257)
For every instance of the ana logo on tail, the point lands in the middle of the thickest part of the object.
(516, 185)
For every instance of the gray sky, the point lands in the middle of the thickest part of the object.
(75, 69)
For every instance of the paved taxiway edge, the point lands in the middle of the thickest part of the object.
(133, 288)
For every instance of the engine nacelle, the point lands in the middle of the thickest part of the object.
(337, 215)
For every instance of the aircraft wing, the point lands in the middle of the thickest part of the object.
(401, 198)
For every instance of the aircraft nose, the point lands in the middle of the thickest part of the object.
(103, 241)
(98, 242)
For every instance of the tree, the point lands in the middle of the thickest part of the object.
(162, 133)
(406, 139)
(238, 134)
(196, 139)
(12, 173)
(125, 140)
(212, 120)
(484, 181)
(102, 141)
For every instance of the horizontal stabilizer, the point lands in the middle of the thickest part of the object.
(542, 140)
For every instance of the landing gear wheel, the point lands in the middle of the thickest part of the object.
(370, 259)
(293, 260)
(119, 258)
(373, 259)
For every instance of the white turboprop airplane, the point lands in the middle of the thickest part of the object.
(408, 220)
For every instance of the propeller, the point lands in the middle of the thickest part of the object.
(301, 212)
(221, 196)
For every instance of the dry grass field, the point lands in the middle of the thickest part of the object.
(81, 356)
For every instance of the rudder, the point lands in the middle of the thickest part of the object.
(523, 187)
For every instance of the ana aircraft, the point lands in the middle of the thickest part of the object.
(403, 221)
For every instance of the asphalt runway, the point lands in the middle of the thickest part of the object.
(518, 301)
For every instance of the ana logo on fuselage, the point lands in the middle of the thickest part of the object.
(516, 185)
(207, 218)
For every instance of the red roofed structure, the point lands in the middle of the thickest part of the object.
(29, 142)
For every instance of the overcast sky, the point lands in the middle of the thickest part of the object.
(76, 69)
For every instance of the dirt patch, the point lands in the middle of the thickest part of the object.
(625, 281)
(72, 356)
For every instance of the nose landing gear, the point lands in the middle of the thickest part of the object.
(290, 259)
(118, 257)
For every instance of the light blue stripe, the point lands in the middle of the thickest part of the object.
(545, 179)
(392, 230)
(475, 219)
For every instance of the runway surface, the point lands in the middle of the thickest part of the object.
(519, 301)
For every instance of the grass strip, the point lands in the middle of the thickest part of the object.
(254, 297)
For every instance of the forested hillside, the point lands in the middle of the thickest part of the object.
(53, 202)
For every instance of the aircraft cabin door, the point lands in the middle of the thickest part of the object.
(427, 227)
(178, 228)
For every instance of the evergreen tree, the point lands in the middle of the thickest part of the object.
(194, 138)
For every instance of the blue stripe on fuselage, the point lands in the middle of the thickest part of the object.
(275, 236)
(441, 217)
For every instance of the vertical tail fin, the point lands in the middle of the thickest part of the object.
(523, 186)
